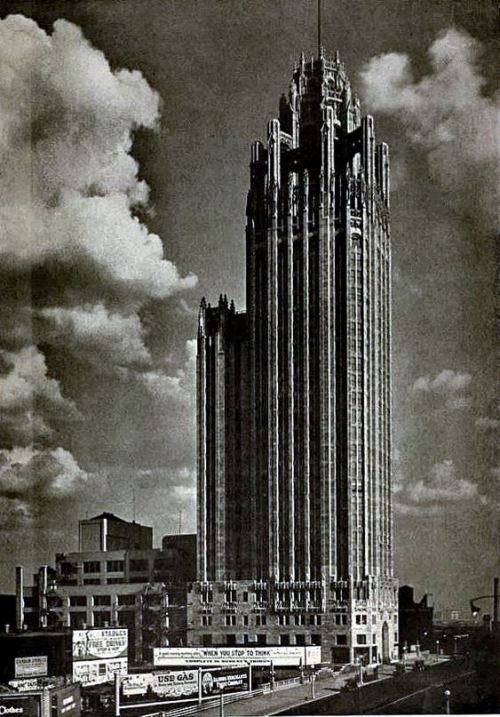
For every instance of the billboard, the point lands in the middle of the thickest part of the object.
(99, 654)
(30, 666)
(33, 683)
(97, 672)
(184, 683)
(227, 680)
(199, 656)
(180, 683)
(11, 705)
(100, 644)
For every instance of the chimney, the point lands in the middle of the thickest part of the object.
(19, 597)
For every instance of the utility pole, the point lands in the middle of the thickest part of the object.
(117, 694)
(495, 603)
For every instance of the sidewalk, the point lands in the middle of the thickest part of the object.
(278, 700)
(272, 702)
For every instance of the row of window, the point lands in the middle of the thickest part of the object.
(101, 600)
(108, 581)
(360, 639)
(102, 619)
(115, 566)
(340, 619)
(261, 620)
(232, 596)
(299, 619)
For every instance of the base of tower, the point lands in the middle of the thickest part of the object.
(350, 621)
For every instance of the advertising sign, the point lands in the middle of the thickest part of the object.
(34, 683)
(183, 683)
(227, 680)
(17, 706)
(100, 644)
(30, 666)
(163, 684)
(97, 672)
(199, 656)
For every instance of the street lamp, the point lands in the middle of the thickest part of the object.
(475, 609)
(221, 703)
(272, 676)
(447, 695)
(360, 670)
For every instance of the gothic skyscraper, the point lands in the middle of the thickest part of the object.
(294, 396)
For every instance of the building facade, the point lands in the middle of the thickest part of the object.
(109, 532)
(294, 395)
(135, 586)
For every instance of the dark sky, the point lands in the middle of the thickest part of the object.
(111, 407)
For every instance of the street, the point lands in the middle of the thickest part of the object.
(463, 698)
(409, 693)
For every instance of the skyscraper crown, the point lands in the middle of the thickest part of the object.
(316, 84)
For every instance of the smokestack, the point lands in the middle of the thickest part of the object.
(19, 597)
(42, 594)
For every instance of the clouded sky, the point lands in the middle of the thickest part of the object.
(124, 147)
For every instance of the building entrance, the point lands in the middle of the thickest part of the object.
(386, 655)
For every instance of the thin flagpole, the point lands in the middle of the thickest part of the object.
(319, 28)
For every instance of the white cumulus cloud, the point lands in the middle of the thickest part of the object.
(485, 423)
(442, 485)
(97, 334)
(448, 115)
(68, 181)
(31, 479)
(79, 267)
(31, 402)
(445, 381)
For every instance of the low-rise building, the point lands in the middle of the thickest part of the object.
(134, 586)
(415, 619)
